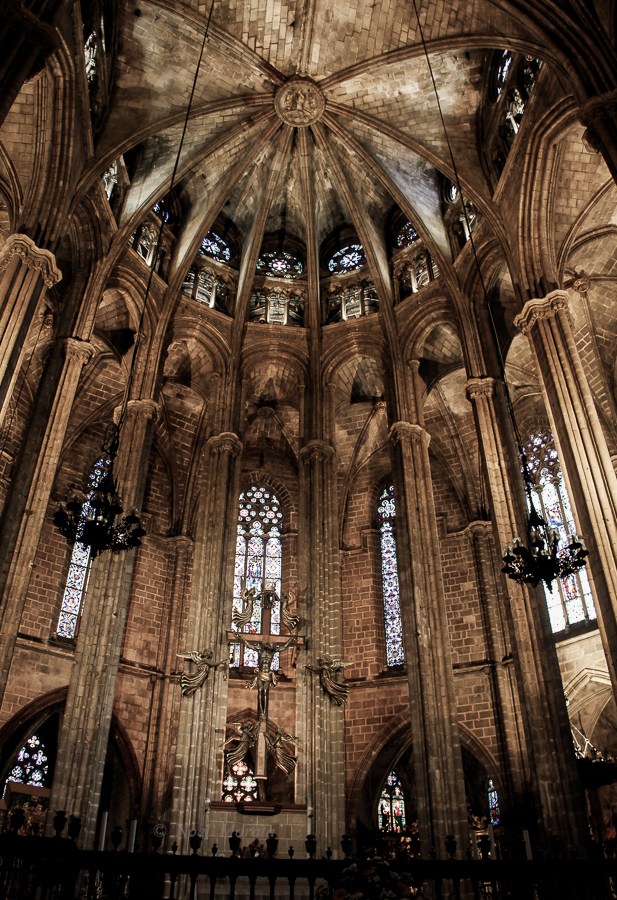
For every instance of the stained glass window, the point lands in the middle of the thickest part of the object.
(501, 72)
(258, 565)
(280, 265)
(406, 235)
(395, 653)
(215, 246)
(392, 805)
(239, 785)
(31, 764)
(569, 600)
(347, 259)
(493, 803)
(79, 568)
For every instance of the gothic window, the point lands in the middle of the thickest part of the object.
(258, 565)
(395, 654)
(352, 302)
(215, 246)
(493, 803)
(392, 805)
(162, 210)
(79, 568)
(280, 265)
(405, 236)
(569, 600)
(239, 785)
(502, 69)
(31, 764)
(347, 259)
(110, 179)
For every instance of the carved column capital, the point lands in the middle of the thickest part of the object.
(603, 106)
(316, 451)
(225, 442)
(140, 409)
(74, 348)
(545, 308)
(32, 256)
(407, 431)
(483, 386)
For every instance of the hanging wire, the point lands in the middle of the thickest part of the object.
(159, 239)
(457, 180)
(544, 561)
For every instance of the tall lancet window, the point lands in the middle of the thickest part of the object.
(569, 600)
(395, 653)
(259, 557)
(79, 568)
(392, 805)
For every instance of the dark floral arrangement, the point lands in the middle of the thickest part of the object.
(372, 879)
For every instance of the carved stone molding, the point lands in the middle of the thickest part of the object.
(225, 442)
(145, 409)
(604, 106)
(83, 351)
(480, 387)
(316, 451)
(32, 256)
(408, 431)
(299, 102)
(546, 308)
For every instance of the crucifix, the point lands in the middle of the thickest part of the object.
(266, 644)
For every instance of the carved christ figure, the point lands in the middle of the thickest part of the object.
(263, 676)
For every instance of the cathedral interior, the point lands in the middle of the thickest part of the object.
(321, 296)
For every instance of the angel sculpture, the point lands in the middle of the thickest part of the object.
(290, 620)
(277, 739)
(245, 734)
(190, 683)
(329, 670)
(242, 617)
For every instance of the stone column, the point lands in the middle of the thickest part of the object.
(501, 677)
(28, 501)
(26, 271)
(198, 769)
(161, 739)
(436, 750)
(587, 466)
(325, 751)
(548, 794)
(599, 115)
(84, 733)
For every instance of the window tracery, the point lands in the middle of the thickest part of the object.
(395, 653)
(392, 805)
(258, 563)
(239, 784)
(280, 264)
(406, 235)
(570, 600)
(31, 764)
(216, 247)
(208, 287)
(351, 300)
(347, 259)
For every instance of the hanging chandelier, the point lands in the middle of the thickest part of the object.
(93, 519)
(543, 557)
